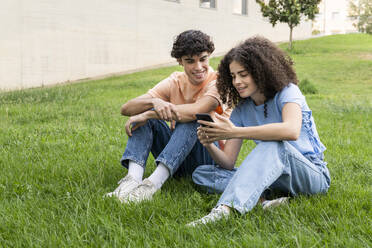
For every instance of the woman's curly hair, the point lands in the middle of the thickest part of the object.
(191, 42)
(269, 66)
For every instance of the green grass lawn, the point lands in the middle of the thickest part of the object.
(60, 151)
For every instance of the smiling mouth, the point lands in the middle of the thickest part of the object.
(241, 89)
(199, 74)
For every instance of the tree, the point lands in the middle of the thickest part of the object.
(289, 11)
(362, 11)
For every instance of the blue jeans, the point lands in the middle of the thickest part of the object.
(179, 150)
(272, 164)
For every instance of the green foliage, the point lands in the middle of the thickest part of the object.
(307, 87)
(288, 11)
(315, 32)
(362, 11)
(60, 149)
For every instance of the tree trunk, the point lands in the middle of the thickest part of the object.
(290, 38)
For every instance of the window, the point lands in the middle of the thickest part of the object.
(210, 4)
(335, 15)
(240, 7)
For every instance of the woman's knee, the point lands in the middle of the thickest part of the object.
(202, 174)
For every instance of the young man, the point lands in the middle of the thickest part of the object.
(175, 99)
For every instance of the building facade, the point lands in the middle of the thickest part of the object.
(334, 18)
(45, 42)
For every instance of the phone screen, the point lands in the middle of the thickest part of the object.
(204, 117)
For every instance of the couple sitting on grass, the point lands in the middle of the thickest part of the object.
(255, 78)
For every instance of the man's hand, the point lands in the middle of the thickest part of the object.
(165, 110)
(135, 122)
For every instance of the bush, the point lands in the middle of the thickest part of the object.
(315, 32)
(307, 88)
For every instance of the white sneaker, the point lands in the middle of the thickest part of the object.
(274, 203)
(216, 214)
(126, 185)
(142, 192)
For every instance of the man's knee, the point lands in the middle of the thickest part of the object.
(186, 130)
(186, 125)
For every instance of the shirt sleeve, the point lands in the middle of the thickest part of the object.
(163, 89)
(213, 92)
(291, 93)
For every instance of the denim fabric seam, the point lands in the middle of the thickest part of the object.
(243, 209)
(303, 162)
(169, 164)
(163, 123)
(320, 170)
(161, 160)
(215, 177)
(262, 186)
(134, 159)
(138, 153)
(314, 139)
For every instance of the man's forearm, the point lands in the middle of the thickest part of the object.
(136, 106)
(187, 111)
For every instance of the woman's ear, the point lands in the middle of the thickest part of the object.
(180, 61)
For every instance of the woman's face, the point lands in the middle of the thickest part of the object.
(244, 83)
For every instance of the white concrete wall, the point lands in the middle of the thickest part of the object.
(333, 18)
(44, 42)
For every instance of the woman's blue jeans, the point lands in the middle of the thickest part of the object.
(272, 164)
(179, 150)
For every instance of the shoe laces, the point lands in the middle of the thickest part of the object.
(274, 203)
(215, 214)
(144, 188)
(124, 181)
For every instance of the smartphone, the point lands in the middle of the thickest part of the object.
(204, 117)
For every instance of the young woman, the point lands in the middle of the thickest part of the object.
(257, 78)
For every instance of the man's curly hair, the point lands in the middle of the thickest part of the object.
(191, 42)
(269, 66)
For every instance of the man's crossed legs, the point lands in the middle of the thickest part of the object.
(178, 152)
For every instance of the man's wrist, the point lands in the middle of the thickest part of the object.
(152, 102)
(151, 114)
(145, 115)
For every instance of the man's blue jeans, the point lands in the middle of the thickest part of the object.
(273, 165)
(179, 150)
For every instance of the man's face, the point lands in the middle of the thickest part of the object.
(196, 67)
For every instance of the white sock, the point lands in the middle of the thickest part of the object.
(160, 175)
(135, 170)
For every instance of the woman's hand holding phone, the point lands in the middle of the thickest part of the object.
(204, 117)
(203, 120)
(213, 131)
